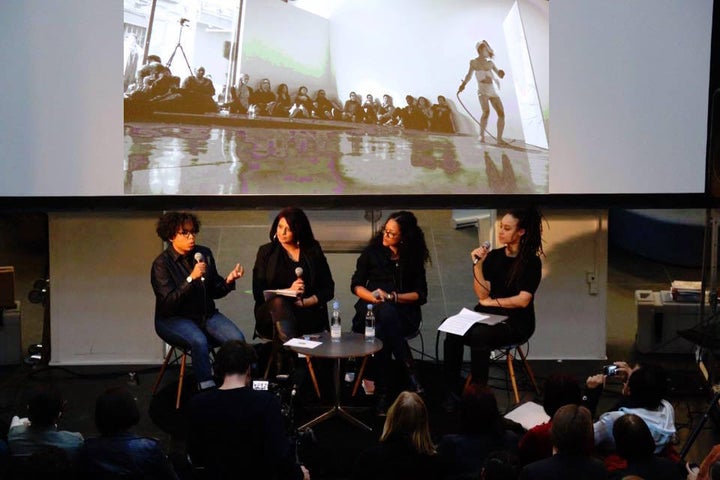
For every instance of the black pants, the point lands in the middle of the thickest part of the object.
(482, 339)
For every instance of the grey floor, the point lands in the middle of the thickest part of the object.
(22, 244)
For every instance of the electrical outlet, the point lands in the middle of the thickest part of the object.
(592, 281)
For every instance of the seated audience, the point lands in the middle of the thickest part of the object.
(352, 111)
(425, 113)
(482, 430)
(45, 407)
(635, 444)
(405, 450)
(263, 98)
(198, 92)
(571, 431)
(283, 102)
(117, 452)
(500, 465)
(370, 113)
(385, 113)
(643, 393)
(238, 432)
(442, 117)
(559, 390)
(302, 106)
(324, 107)
(47, 462)
(240, 95)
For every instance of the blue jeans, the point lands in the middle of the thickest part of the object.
(186, 333)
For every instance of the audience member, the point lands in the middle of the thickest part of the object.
(635, 444)
(198, 91)
(237, 432)
(559, 389)
(571, 431)
(45, 407)
(240, 95)
(643, 393)
(263, 98)
(186, 283)
(500, 465)
(386, 113)
(425, 113)
(283, 102)
(369, 112)
(46, 462)
(390, 276)
(302, 106)
(482, 430)
(324, 107)
(117, 452)
(442, 117)
(352, 111)
(405, 450)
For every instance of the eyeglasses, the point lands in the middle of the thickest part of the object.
(188, 233)
(390, 234)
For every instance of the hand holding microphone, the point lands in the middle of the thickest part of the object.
(299, 283)
(481, 252)
(200, 266)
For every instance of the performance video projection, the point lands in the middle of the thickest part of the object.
(275, 98)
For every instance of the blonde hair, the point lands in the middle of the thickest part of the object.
(408, 417)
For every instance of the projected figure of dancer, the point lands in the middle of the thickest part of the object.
(487, 75)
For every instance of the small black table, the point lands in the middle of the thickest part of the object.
(350, 345)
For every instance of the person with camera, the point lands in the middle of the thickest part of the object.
(237, 432)
(643, 391)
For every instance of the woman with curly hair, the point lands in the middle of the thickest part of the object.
(505, 281)
(390, 275)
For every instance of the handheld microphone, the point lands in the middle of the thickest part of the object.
(485, 244)
(200, 258)
(298, 272)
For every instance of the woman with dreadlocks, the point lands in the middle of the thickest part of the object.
(505, 281)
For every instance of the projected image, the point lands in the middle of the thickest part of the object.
(336, 97)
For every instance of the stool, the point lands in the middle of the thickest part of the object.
(417, 333)
(510, 352)
(275, 350)
(182, 358)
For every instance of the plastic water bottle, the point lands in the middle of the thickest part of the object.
(335, 323)
(370, 324)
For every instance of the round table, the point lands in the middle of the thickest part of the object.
(350, 345)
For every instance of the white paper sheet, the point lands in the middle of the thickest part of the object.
(285, 292)
(529, 415)
(302, 343)
(460, 323)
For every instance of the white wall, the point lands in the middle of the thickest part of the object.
(101, 303)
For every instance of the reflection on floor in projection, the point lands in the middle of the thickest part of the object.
(185, 159)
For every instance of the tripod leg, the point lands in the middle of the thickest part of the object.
(696, 431)
(182, 50)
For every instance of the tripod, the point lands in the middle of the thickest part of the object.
(183, 23)
(712, 409)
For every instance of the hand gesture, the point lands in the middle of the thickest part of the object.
(235, 273)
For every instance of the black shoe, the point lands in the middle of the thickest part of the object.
(415, 385)
(451, 403)
(381, 406)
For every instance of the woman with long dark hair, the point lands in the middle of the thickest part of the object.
(390, 275)
(505, 280)
(292, 247)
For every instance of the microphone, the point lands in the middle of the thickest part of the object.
(298, 272)
(200, 258)
(485, 244)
